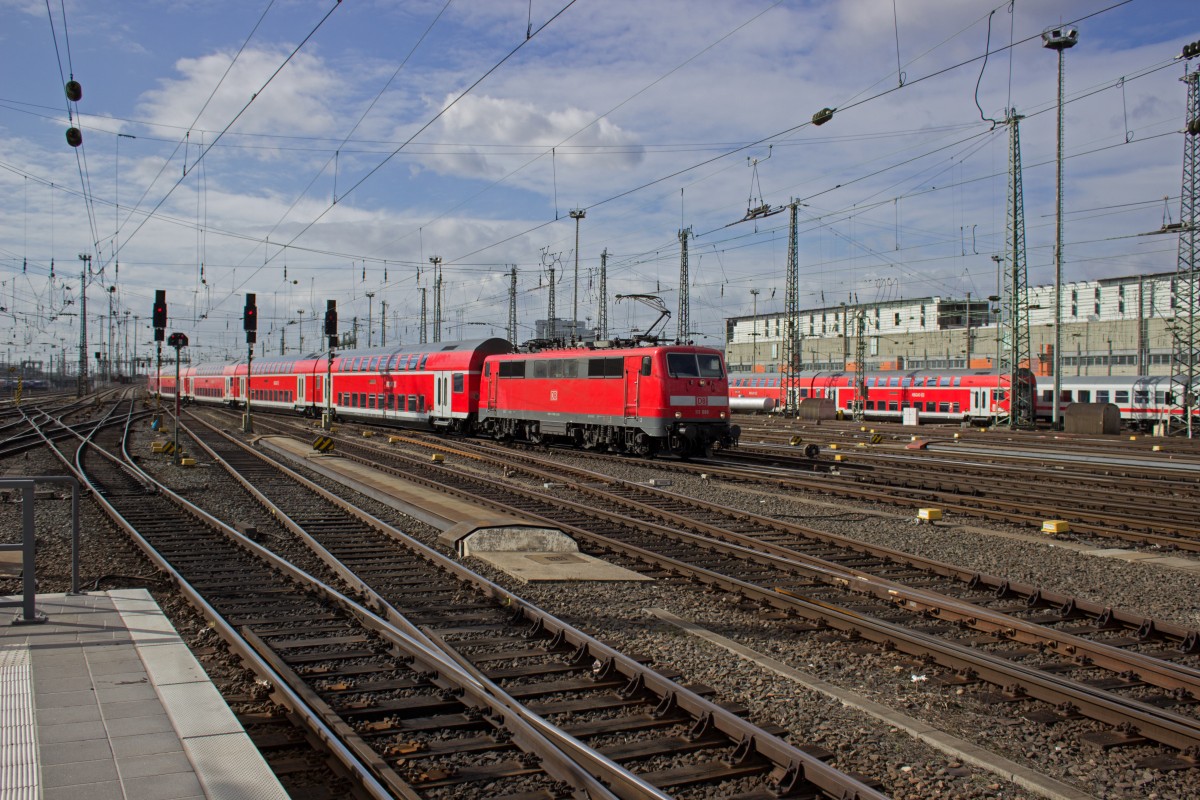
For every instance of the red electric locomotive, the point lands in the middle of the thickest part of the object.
(943, 396)
(640, 400)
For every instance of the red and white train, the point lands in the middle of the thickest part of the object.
(638, 400)
(945, 396)
(1144, 400)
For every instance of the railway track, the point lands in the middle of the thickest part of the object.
(425, 719)
(1131, 673)
(626, 711)
(1139, 510)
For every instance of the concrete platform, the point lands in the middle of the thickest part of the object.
(525, 549)
(104, 700)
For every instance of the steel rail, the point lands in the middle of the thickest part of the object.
(350, 758)
(1158, 724)
(793, 761)
(1186, 638)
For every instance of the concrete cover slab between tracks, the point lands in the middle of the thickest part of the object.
(959, 748)
(526, 550)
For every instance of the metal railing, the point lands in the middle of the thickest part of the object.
(28, 546)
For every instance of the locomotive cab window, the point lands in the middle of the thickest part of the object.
(645, 365)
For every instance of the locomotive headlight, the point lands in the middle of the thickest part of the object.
(678, 415)
(722, 415)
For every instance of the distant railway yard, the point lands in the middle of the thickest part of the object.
(833, 609)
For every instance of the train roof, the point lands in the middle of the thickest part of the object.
(1119, 381)
(889, 373)
(587, 349)
(491, 344)
(488, 346)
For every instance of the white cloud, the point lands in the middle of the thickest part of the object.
(296, 102)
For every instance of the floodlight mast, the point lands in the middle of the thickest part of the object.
(1058, 39)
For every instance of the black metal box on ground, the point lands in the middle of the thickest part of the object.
(1095, 418)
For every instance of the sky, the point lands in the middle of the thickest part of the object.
(311, 150)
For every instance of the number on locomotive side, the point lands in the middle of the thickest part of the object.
(554, 395)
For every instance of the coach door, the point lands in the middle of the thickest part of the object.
(979, 403)
(441, 395)
(228, 388)
(300, 391)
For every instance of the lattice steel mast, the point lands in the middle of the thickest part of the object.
(551, 327)
(1014, 311)
(859, 377)
(437, 297)
(792, 355)
(1186, 351)
(424, 325)
(512, 306)
(602, 311)
(685, 304)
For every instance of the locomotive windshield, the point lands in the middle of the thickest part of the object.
(694, 365)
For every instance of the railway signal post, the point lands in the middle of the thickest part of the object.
(250, 326)
(178, 341)
(159, 317)
(331, 332)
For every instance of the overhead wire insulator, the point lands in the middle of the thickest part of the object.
(822, 116)
(74, 137)
(74, 91)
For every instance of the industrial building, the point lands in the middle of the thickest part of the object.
(1112, 326)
